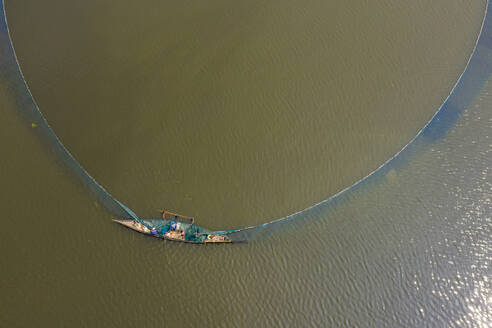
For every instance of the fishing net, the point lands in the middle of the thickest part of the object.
(29, 109)
(476, 74)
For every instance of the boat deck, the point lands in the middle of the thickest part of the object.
(176, 235)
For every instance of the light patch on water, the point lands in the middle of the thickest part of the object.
(479, 304)
(392, 175)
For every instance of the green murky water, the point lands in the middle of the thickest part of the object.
(238, 113)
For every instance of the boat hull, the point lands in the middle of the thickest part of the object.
(137, 226)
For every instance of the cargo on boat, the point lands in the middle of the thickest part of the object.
(176, 227)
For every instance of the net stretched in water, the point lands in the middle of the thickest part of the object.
(477, 72)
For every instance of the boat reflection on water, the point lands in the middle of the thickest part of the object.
(175, 227)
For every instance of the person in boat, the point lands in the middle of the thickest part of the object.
(153, 231)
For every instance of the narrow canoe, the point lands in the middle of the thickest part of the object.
(189, 233)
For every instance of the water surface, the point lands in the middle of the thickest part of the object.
(410, 249)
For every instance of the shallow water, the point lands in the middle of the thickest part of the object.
(412, 249)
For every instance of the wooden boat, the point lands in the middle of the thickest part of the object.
(172, 226)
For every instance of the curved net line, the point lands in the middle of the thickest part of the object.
(478, 70)
(10, 67)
